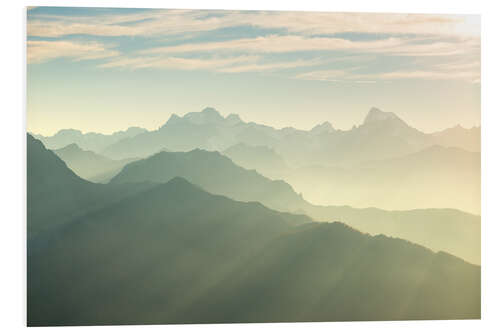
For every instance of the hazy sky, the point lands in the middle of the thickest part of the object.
(103, 70)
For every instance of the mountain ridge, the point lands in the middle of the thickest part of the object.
(89, 141)
(55, 194)
(382, 133)
(83, 275)
(90, 165)
(218, 174)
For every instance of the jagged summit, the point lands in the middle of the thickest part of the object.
(210, 110)
(233, 119)
(325, 127)
(376, 115)
(173, 117)
(208, 115)
(69, 131)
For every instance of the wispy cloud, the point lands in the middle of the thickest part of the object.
(42, 51)
(358, 38)
(151, 22)
(309, 23)
(428, 74)
(469, 72)
(324, 75)
(213, 63)
(231, 64)
(294, 43)
(278, 44)
(272, 66)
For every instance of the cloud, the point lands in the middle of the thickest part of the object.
(149, 23)
(278, 44)
(43, 51)
(294, 43)
(232, 64)
(177, 62)
(324, 75)
(459, 70)
(166, 22)
(466, 72)
(432, 47)
(418, 36)
(429, 75)
(273, 66)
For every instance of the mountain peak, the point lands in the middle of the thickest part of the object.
(210, 110)
(134, 130)
(68, 131)
(206, 116)
(178, 181)
(174, 116)
(325, 127)
(376, 115)
(233, 119)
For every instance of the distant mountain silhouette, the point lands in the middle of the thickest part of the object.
(376, 116)
(449, 230)
(213, 172)
(382, 135)
(324, 128)
(88, 141)
(469, 139)
(260, 158)
(89, 165)
(439, 229)
(433, 177)
(177, 254)
(55, 194)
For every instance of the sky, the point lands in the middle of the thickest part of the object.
(106, 69)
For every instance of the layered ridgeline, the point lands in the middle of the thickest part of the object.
(213, 172)
(382, 135)
(88, 141)
(439, 229)
(90, 165)
(436, 176)
(55, 194)
(459, 137)
(383, 163)
(433, 177)
(177, 254)
(262, 159)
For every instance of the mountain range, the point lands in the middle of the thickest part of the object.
(55, 194)
(211, 219)
(213, 172)
(88, 141)
(174, 253)
(436, 177)
(439, 229)
(382, 135)
(383, 163)
(90, 165)
(262, 159)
